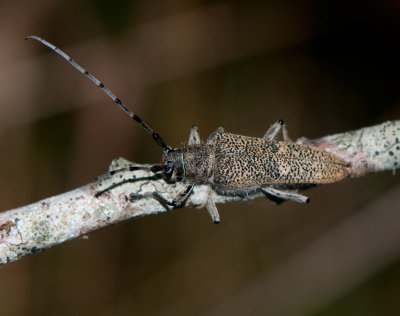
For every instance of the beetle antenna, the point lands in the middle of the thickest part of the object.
(157, 138)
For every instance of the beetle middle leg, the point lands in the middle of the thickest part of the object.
(212, 209)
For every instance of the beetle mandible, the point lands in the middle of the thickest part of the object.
(232, 164)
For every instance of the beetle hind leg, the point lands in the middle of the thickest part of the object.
(278, 195)
(274, 130)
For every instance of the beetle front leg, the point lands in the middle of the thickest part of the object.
(194, 137)
(178, 201)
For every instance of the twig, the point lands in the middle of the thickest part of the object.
(41, 225)
(370, 149)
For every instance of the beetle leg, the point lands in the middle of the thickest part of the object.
(178, 201)
(194, 137)
(212, 209)
(274, 130)
(210, 139)
(285, 195)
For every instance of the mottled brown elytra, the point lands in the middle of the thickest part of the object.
(233, 164)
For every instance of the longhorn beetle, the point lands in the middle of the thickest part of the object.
(232, 164)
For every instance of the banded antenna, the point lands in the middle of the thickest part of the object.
(157, 138)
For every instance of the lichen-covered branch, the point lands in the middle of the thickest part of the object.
(371, 149)
(41, 225)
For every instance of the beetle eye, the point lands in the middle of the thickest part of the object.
(169, 168)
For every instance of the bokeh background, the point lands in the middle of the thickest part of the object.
(322, 66)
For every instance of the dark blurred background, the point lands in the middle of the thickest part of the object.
(322, 66)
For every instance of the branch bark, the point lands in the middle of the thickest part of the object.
(52, 221)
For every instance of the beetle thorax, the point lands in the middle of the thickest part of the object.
(192, 164)
(199, 163)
